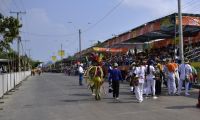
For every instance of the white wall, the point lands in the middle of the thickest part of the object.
(9, 80)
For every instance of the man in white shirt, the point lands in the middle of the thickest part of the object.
(150, 78)
(185, 71)
(81, 72)
(140, 74)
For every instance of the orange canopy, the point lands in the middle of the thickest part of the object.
(98, 49)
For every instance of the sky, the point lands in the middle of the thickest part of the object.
(49, 23)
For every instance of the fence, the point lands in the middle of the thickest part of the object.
(9, 80)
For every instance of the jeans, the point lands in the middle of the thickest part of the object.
(80, 79)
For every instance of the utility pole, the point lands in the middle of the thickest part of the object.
(19, 39)
(26, 60)
(181, 53)
(79, 31)
(18, 49)
(61, 55)
(29, 56)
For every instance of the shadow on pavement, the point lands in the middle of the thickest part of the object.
(125, 93)
(77, 100)
(181, 107)
(80, 94)
(122, 101)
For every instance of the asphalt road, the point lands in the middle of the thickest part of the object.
(53, 96)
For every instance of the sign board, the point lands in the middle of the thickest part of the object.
(61, 53)
(53, 58)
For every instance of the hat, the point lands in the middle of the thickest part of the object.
(133, 64)
(115, 64)
(187, 61)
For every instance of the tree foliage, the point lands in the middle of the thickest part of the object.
(9, 30)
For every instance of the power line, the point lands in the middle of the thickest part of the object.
(196, 6)
(22, 4)
(75, 33)
(106, 15)
(17, 7)
(49, 35)
(6, 6)
(2, 10)
(188, 4)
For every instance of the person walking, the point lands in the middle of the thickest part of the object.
(140, 76)
(81, 72)
(176, 73)
(171, 78)
(185, 75)
(150, 78)
(131, 75)
(116, 76)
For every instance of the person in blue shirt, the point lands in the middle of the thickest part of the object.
(116, 76)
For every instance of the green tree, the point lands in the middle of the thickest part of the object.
(9, 30)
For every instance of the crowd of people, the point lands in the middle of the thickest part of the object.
(147, 77)
(148, 72)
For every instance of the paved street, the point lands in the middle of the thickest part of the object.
(53, 96)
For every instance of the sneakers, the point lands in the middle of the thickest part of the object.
(187, 94)
(146, 97)
(117, 98)
(139, 101)
(154, 97)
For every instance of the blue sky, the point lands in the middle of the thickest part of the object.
(49, 23)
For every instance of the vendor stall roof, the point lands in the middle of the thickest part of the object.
(162, 28)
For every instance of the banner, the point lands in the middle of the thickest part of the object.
(162, 43)
(53, 58)
(98, 49)
(61, 53)
(189, 20)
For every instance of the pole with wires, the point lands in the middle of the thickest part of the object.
(29, 59)
(19, 39)
(25, 54)
(79, 33)
(181, 54)
(18, 52)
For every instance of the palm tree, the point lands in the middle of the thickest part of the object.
(9, 30)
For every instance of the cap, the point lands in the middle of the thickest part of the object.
(115, 64)
(186, 61)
